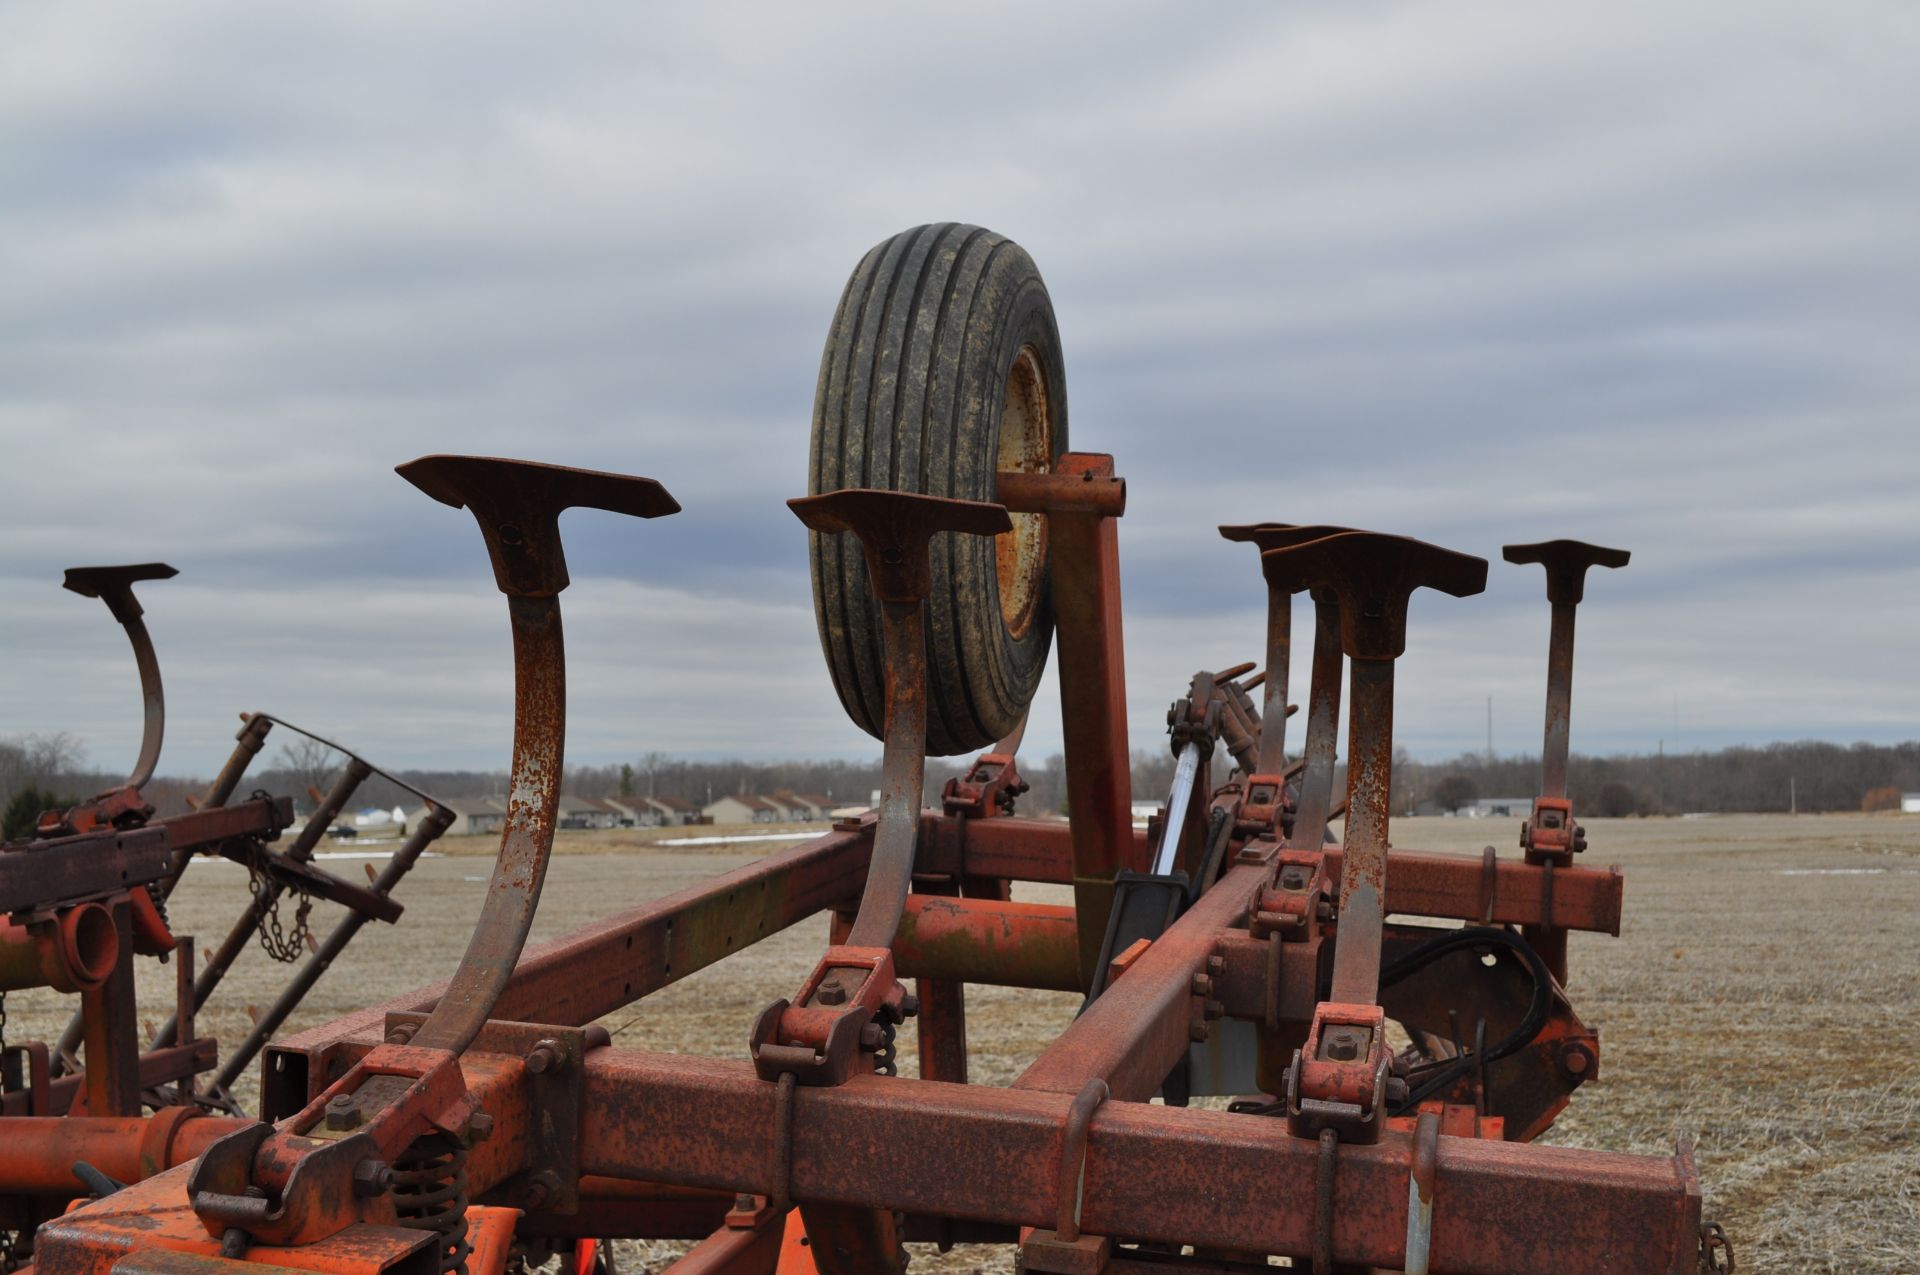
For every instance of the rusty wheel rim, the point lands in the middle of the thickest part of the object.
(1026, 446)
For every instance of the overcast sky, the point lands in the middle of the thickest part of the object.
(1639, 274)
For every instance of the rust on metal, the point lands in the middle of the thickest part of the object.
(1566, 562)
(518, 504)
(1373, 576)
(1004, 943)
(1093, 705)
(114, 586)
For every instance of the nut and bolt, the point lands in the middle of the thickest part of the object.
(1575, 1059)
(480, 1128)
(1197, 1031)
(342, 1114)
(401, 1033)
(539, 1188)
(1216, 964)
(1293, 878)
(1341, 1045)
(1202, 985)
(872, 1036)
(546, 1056)
(830, 993)
(371, 1178)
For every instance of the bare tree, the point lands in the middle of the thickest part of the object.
(311, 763)
(45, 761)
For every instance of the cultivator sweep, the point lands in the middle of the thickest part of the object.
(1232, 947)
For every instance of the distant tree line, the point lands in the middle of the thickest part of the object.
(1810, 777)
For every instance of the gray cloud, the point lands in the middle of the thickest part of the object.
(1476, 274)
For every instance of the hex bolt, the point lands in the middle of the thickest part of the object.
(872, 1036)
(401, 1033)
(909, 1005)
(1214, 1009)
(480, 1128)
(546, 1056)
(539, 1188)
(1342, 1045)
(1197, 1031)
(1202, 985)
(1293, 877)
(831, 992)
(1575, 1059)
(371, 1178)
(342, 1114)
(1216, 965)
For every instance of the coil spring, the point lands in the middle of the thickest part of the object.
(430, 1194)
(159, 898)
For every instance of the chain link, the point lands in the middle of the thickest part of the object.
(274, 938)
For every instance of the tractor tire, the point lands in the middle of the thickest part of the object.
(942, 368)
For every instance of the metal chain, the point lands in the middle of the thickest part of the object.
(273, 937)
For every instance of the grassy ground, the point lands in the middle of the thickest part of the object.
(1763, 999)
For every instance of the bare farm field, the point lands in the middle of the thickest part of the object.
(1763, 1000)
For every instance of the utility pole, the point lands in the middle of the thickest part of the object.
(1793, 798)
(1489, 730)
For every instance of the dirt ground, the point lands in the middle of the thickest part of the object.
(1763, 1000)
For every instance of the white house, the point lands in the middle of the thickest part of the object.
(1910, 803)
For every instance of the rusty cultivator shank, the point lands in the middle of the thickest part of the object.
(1231, 948)
(87, 893)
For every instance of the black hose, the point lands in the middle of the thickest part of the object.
(1519, 1038)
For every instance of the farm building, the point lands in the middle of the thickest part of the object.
(1910, 803)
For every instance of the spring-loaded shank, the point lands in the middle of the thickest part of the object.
(518, 504)
(114, 586)
(895, 529)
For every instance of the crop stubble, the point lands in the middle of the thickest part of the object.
(1763, 999)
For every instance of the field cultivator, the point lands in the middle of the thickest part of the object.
(87, 893)
(1230, 948)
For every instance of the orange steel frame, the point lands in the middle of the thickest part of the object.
(1071, 1161)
